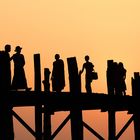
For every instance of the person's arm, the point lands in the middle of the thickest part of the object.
(52, 76)
(11, 58)
(124, 77)
(81, 71)
(23, 63)
(93, 67)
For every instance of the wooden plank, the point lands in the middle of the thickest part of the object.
(60, 127)
(93, 131)
(125, 127)
(24, 123)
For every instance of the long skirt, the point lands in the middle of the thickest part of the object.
(19, 79)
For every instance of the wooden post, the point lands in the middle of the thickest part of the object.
(136, 92)
(111, 113)
(6, 118)
(46, 82)
(47, 113)
(110, 77)
(38, 108)
(75, 89)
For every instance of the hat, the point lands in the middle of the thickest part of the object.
(17, 48)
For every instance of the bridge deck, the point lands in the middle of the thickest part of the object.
(66, 101)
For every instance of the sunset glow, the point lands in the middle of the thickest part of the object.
(101, 29)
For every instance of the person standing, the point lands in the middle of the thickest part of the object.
(121, 79)
(5, 68)
(89, 67)
(58, 76)
(19, 78)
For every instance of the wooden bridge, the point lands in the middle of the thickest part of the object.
(46, 103)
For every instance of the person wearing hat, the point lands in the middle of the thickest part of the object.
(19, 79)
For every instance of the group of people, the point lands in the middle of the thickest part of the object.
(116, 75)
(19, 79)
(58, 74)
(58, 77)
(120, 76)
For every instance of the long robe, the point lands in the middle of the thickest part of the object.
(19, 79)
(58, 77)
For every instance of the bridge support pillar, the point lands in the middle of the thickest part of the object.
(75, 88)
(136, 92)
(38, 108)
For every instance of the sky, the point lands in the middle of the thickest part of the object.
(103, 30)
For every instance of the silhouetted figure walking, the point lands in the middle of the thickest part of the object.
(121, 76)
(89, 67)
(58, 76)
(19, 79)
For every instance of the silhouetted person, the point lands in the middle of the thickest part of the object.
(121, 76)
(5, 68)
(19, 79)
(58, 76)
(89, 67)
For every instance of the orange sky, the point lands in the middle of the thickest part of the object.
(102, 29)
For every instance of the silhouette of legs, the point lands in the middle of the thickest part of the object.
(88, 86)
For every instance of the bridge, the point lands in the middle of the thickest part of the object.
(46, 103)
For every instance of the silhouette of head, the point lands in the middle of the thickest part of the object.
(7, 48)
(87, 58)
(57, 56)
(121, 64)
(18, 49)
